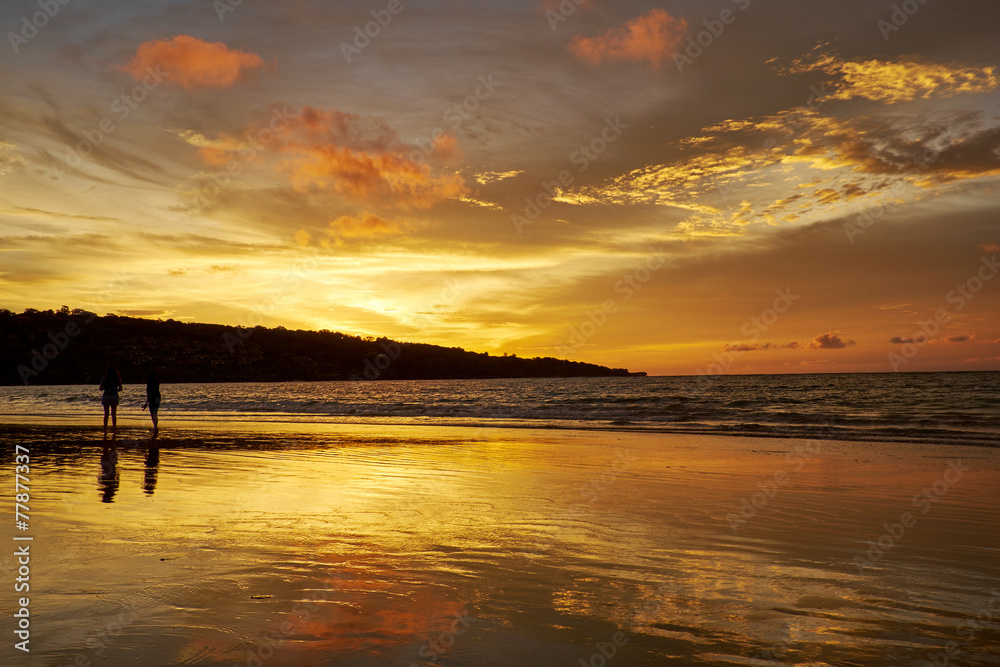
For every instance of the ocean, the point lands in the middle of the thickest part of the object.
(943, 408)
(510, 523)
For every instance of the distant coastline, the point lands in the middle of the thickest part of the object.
(73, 346)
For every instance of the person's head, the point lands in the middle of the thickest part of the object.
(151, 377)
(112, 373)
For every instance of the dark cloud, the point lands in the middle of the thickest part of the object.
(829, 341)
(753, 347)
(141, 312)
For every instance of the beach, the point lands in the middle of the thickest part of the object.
(253, 543)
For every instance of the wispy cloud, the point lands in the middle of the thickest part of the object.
(827, 341)
(358, 157)
(367, 226)
(9, 157)
(895, 81)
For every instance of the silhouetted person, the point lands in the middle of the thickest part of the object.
(111, 384)
(153, 399)
(107, 481)
(152, 461)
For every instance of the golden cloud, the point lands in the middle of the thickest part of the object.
(487, 177)
(652, 37)
(191, 62)
(481, 203)
(898, 81)
(879, 156)
(9, 157)
(366, 226)
(679, 184)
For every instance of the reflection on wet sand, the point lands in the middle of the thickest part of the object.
(152, 463)
(309, 551)
(107, 480)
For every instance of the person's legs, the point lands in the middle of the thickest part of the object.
(114, 419)
(106, 410)
(153, 413)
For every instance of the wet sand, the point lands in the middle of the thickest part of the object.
(302, 545)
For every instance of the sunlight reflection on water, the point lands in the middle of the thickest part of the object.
(373, 553)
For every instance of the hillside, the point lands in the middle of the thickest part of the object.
(72, 347)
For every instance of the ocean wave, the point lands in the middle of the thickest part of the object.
(926, 407)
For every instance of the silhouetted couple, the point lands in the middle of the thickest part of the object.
(111, 385)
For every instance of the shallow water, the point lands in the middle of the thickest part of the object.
(504, 547)
(944, 408)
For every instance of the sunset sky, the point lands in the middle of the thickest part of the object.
(731, 186)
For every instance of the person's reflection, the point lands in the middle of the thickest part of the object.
(107, 481)
(152, 461)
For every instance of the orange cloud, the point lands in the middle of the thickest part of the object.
(216, 157)
(389, 178)
(653, 37)
(365, 133)
(445, 145)
(360, 157)
(191, 62)
(368, 226)
(990, 247)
